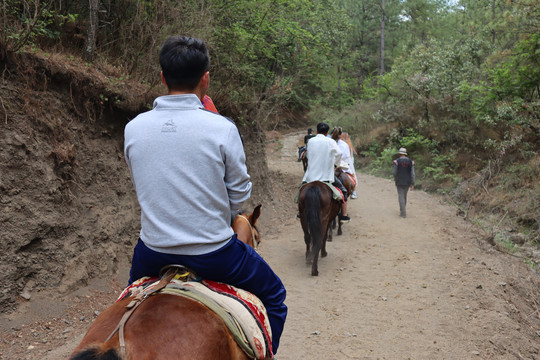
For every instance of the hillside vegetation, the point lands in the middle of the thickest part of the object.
(456, 82)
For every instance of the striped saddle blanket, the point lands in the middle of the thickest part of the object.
(243, 313)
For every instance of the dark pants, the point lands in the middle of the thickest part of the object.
(236, 264)
(337, 183)
(402, 198)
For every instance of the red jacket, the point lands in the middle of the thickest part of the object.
(209, 104)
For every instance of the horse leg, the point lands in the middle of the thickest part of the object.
(307, 239)
(338, 222)
(331, 226)
(329, 231)
(313, 225)
(325, 237)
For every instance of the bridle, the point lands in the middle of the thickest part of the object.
(252, 230)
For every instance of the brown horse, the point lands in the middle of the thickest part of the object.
(166, 327)
(346, 180)
(302, 156)
(316, 207)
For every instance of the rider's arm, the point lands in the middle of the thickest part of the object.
(336, 151)
(237, 179)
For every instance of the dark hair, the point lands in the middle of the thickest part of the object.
(309, 130)
(183, 60)
(336, 133)
(322, 128)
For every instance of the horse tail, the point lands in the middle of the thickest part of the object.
(97, 353)
(313, 212)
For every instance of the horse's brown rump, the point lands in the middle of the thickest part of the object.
(166, 327)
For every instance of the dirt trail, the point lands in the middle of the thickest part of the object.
(424, 287)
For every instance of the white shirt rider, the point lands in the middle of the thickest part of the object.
(323, 153)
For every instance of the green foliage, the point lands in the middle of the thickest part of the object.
(382, 165)
(25, 22)
(518, 75)
(415, 142)
(431, 167)
(442, 169)
(504, 239)
(273, 49)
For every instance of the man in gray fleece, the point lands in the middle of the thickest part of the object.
(189, 171)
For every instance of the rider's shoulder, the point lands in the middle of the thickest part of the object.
(218, 115)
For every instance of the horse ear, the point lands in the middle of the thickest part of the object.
(256, 214)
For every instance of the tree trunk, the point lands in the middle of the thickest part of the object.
(493, 17)
(92, 30)
(360, 80)
(383, 16)
(339, 87)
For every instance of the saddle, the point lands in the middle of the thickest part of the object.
(336, 193)
(353, 179)
(243, 313)
(301, 152)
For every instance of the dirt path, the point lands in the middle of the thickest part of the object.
(424, 287)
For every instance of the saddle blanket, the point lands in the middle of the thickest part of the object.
(353, 179)
(243, 313)
(301, 152)
(336, 193)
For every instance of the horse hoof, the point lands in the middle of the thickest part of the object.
(329, 240)
(314, 273)
(324, 254)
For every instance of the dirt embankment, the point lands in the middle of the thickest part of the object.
(69, 212)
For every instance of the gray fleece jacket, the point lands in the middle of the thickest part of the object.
(189, 171)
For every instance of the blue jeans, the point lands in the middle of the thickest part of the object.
(236, 264)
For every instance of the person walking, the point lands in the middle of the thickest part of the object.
(404, 178)
(189, 171)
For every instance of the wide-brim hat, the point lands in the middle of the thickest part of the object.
(402, 151)
(344, 165)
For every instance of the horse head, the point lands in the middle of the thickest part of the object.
(244, 225)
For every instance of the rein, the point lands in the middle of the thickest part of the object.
(134, 304)
(255, 242)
